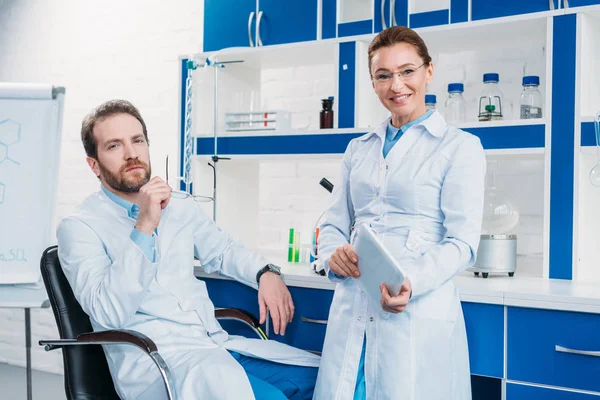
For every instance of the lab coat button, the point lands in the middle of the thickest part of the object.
(371, 319)
(358, 318)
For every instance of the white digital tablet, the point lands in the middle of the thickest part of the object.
(376, 265)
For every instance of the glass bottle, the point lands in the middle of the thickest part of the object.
(531, 98)
(490, 99)
(455, 104)
(430, 101)
(326, 114)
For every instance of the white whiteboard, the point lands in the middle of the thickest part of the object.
(30, 137)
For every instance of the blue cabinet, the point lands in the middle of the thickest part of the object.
(307, 329)
(229, 23)
(524, 392)
(483, 9)
(485, 336)
(234, 23)
(281, 22)
(540, 345)
(581, 3)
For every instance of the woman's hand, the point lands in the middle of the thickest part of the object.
(343, 262)
(396, 304)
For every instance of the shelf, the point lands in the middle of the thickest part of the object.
(518, 136)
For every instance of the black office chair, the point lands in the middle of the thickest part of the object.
(87, 375)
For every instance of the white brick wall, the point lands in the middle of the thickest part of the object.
(98, 51)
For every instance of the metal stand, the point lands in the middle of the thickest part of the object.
(28, 351)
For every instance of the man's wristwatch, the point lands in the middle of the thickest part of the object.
(267, 268)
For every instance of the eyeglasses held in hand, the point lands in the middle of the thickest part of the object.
(178, 194)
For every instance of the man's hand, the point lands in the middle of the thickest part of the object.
(154, 197)
(343, 262)
(396, 304)
(273, 293)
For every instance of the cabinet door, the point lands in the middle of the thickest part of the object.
(556, 348)
(485, 337)
(287, 21)
(307, 329)
(580, 3)
(524, 392)
(229, 23)
(382, 15)
(483, 9)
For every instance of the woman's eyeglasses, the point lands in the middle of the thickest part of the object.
(178, 194)
(384, 77)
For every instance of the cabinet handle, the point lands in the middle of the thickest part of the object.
(250, 29)
(383, 25)
(580, 352)
(314, 321)
(258, 39)
(393, 10)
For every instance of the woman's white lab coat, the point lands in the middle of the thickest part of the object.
(119, 288)
(425, 202)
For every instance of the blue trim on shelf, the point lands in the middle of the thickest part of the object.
(511, 137)
(500, 137)
(459, 11)
(182, 120)
(563, 146)
(588, 136)
(363, 27)
(329, 19)
(346, 84)
(429, 18)
(277, 144)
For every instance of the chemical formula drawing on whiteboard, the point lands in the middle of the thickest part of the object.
(10, 134)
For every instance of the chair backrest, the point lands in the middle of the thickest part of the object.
(87, 375)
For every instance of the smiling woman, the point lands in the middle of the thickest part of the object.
(418, 183)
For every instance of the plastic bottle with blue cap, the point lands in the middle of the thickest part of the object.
(455, 104)
(531, 98)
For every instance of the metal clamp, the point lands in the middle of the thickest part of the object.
(562, 349)
(314, 321)
(250, 28)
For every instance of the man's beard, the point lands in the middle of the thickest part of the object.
(127, 185)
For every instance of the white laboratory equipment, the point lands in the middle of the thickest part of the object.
(497, 252)
(490, 99)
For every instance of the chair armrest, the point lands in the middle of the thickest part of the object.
(123, 336)
(242, 316)
(237, 313)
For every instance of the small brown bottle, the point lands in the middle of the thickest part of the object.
(326, 120)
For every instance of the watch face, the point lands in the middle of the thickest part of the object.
(274, 268)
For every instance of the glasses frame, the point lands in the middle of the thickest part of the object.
(179, 194)
(403, 78)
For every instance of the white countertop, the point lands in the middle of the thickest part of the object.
(520, 291)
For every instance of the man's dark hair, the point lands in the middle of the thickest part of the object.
(103, 111)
